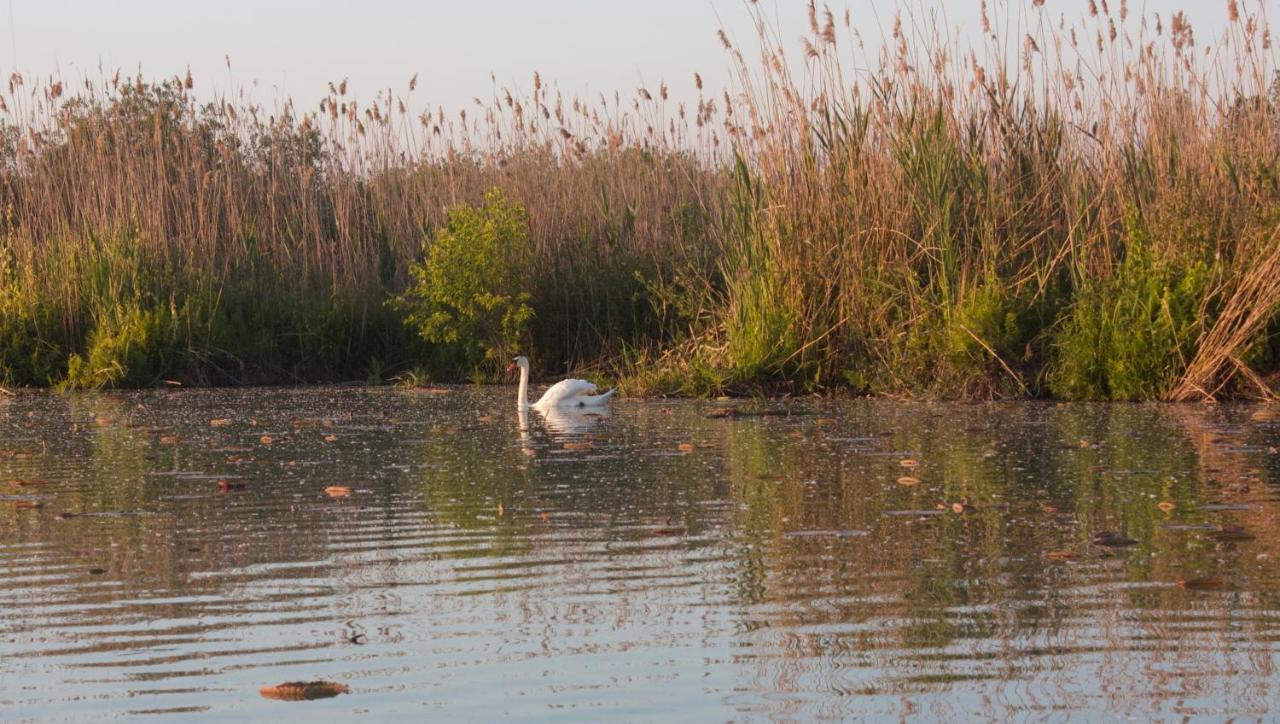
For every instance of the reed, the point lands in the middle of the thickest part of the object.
(1071, 207)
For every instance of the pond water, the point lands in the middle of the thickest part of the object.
(665, 561)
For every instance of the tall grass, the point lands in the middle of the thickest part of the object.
(1073, 206)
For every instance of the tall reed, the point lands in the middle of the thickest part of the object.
(1073, 207)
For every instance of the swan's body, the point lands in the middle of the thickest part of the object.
(565, 393)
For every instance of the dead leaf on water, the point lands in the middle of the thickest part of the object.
(685, 447)
(304, 690)
(266, 439)
(27, 482)
(1203, 583)
(1166, 506)
(26, 504)
(330, 438)
(227, 486)
(337, 491)
(908, 463)
(1060, 555)
(170, 439)
(908, 480)
(1265, 416)
(220, 422)
(1112, 539)
(584, 445)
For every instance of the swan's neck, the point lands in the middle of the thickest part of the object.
(522, 402)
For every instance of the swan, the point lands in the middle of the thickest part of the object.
(565, 393)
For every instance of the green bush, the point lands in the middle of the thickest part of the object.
(472, 290)
(1130, 337)
(129, 347)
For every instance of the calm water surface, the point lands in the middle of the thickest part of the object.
(655, 564)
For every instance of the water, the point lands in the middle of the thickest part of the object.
(656, 563)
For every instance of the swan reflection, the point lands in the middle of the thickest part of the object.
(573, 421)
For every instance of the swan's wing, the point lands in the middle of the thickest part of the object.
(565, 391)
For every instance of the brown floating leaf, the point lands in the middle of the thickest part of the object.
(1265, 416)
(908, 463)
(228, 485)
(1166, 506)
(666, 530)
(337, 491)
(26, 504)
(170, 439)
(330, 438)
(1050, 508)
(1112, 539)
(266, 439)
(961, 508)
(584, 445)
(27, 482)
(485, 418)
(220, 422)
(501, 510)
(685, 447)
(1204, 583)
(304, 690)
(1060, 555)
(908, 480)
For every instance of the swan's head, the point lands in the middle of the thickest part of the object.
(520, 362)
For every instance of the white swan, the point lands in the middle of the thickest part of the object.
(565, 393)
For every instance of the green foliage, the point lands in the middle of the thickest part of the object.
(1131, 336)
(472, 291)
(130, 347)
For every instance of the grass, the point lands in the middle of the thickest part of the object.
(1075, 207)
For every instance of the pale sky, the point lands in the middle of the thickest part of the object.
(453, 45)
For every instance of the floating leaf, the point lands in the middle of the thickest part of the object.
(337, 491)
(220, 422)
(266, 439)
(330, 438)
(959, 508)
(908, 480)
(584, 445)
(1166, 506)
(229, 485)
(1203, 583)
(1060, 555)
(1265, 416)
(170, 439)
(26, 504)
(27, 482)
(908, 463)
(685, 447)
(1112, 539)
(304, 690)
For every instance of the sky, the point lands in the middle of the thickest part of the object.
(295, 48)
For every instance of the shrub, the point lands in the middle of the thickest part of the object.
(1130, 337)
(471, 292)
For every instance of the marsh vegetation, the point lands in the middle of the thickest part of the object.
(1080, 207)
